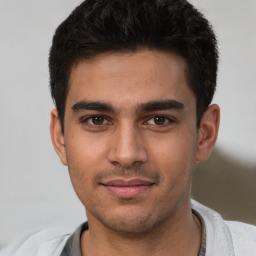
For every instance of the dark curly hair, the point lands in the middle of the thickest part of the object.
(98, 26)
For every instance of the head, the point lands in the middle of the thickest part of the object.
(97, 27)
(132, 82)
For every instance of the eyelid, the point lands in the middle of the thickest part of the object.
(168, 118)
(87, 118)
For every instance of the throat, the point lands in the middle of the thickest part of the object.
(178, 240)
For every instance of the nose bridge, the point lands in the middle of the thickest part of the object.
(127, 145)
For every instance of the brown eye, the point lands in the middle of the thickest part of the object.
(97, 120)
(159, 120)
(96, 123)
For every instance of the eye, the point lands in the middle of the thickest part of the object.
(160, 121)
(95, 121)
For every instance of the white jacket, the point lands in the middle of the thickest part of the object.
(223, 238)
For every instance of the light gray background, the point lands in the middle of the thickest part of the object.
(35, 191)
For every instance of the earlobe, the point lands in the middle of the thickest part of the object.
(208, 132)
(57, 136)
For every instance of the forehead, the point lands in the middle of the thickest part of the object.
(128, 79)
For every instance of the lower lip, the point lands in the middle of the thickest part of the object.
(128, 192)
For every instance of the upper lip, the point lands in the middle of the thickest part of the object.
(127, 183)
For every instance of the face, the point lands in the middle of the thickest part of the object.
(130, 138)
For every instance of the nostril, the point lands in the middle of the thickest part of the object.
(127, 160)
(126, 147)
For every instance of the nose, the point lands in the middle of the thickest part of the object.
(127, 147)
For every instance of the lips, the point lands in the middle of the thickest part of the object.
(127, 189)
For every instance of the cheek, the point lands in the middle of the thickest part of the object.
(84, 157)
(84, 149)
(174, 155)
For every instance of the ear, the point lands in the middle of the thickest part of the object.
(57, 136)
(208, 132)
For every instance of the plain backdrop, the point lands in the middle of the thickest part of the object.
(35, 191)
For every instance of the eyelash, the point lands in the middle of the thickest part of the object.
(86, 119)
(167, 121)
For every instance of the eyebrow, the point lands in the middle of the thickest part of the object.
(95, 105)
(160, 105)
(143, 107)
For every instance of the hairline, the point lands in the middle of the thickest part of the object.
(74, 63)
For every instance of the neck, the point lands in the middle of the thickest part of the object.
(180, 235)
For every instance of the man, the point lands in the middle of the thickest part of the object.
(133, 82)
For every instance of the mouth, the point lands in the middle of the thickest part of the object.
(127, 189)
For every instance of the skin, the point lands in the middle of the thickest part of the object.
(123, 136)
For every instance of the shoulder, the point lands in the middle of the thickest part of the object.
(226, 237)
(48, 242)
(243, 237)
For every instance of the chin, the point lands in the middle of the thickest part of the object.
(133, 223)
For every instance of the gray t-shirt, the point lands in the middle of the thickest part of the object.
(72, 247)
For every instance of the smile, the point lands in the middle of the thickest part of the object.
(127, 189)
